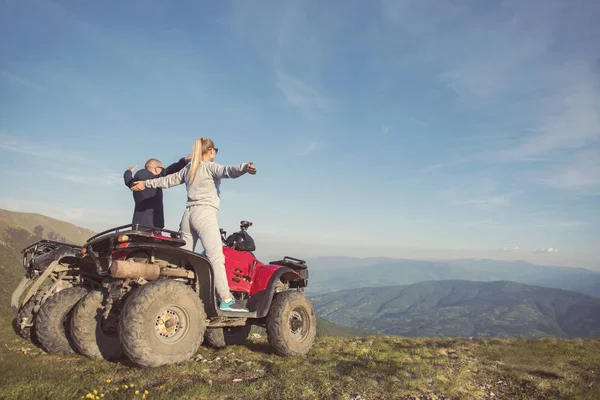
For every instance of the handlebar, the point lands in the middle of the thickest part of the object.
(243, 226)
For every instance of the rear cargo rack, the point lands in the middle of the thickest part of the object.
(46, 243)
(291, 262)
(137, 227)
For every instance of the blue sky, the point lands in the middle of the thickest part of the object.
(425, 129)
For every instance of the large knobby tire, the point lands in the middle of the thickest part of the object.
(95, 337)
(52, 323)
(291, 324)
(228, 336)
(162, 322)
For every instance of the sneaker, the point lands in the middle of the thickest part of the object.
(231, 305)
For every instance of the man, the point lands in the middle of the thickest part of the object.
(149, 202)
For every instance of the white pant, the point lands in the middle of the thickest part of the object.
(200, 222)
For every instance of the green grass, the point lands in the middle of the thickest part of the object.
(341, 368)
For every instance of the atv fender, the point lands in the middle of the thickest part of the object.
(14, 300)
(198, 263)
(54, 265)
(261, 300)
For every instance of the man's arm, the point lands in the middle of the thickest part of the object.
(128, 177)
(228, 171)
(165, 182)
(176, 167)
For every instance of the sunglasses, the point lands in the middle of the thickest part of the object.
(216, 150)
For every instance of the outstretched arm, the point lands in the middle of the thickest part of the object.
(164, 182)
(175, 167)
(128, 177)
(231, 171)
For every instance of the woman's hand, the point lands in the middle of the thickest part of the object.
(139, 185)
(251, 169)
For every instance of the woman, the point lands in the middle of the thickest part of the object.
(202, 179)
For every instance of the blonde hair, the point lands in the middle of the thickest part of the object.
(201, 147)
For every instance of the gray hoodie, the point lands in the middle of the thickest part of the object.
(205, 188)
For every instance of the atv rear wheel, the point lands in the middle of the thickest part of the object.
(94, 336)
(163, 322)
(228, 336)
(291, 324)
(52, 324)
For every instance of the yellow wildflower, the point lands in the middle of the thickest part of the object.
(95, 391)
(145, 392)
(137, 392)
(108, 381)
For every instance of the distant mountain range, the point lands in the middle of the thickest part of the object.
(458, 308)
(328, 274)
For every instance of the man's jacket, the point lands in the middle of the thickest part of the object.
(149, 202)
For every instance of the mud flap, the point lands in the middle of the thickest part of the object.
(14, 300)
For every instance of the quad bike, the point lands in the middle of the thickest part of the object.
(158, 302)
(51, 277)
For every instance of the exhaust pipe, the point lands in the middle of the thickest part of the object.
(150, 272)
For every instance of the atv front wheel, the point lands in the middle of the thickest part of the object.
(162, 322)
(228, 336)
(291, 324)
(94, 336)
(52, 324)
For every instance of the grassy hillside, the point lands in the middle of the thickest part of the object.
(364, 368)
(327, 328)
(42, 226)
(330, 274)
(18, 230)
(464, 309)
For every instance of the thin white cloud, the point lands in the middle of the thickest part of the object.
(311, 147)
(94, 178)
(37, 148)
(433, 167)
(547, 250)
(579, 171)
(477, 222)
(515, 60)
(19, 80)
(514, 249)
(175, 65)
(65, 161)
(562, 224)
(301, 94)
(567, 121)
(489, 201)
